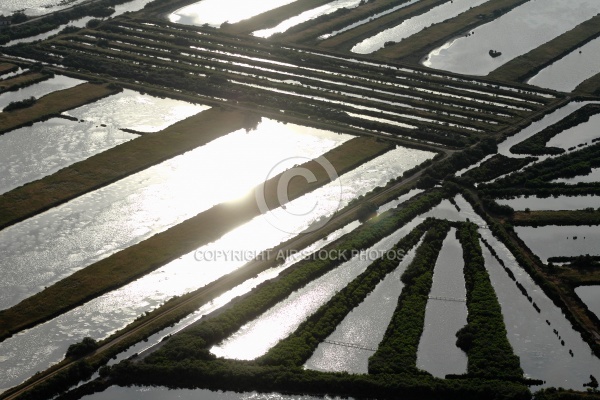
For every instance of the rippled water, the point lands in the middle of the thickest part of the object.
(366, 20)
(364, 326)
(554, 241)
(307, 16)
(535, 203)
(258, 336)
(216, 12)
(58, 82)
(438, 353)
(33, 152)
(415, 24)
(54, 244)
(590, 295)
(568, 72)
(46, 344)
(513, 34)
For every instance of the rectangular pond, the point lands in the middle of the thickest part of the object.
(409, 27)
(515, 33)
(32, 152)
(567, 73)
(307, 16)
(556, 241)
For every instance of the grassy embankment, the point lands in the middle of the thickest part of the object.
(53, 104)
(137, 260)
(273, 17)
(23, 80)
(6, 68)
(544, 218)
(346, 40)
(529, 64)
(422, 43)
(116, 163)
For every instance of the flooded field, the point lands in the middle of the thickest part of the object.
(446, 313)
(59, 82)
(258, 336)
(535, 203)
(364, 326)
(555, 241)
(513, 34)
(217, 12)
(590, 295)
(307, 16)
(415, 24)
(100, 223)
(33, 152)
(568, 72)
(366, 20)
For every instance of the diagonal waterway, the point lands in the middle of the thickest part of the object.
(50, 246)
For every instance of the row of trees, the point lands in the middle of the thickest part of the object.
(484, 338)
(397, 352)
(298, 347)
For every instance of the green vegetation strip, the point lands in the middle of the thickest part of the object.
(300, 345)
(536, 145)
(529, 64)
(53, 104)
(544, 218)
(421, 43)
(135, 261)
(484, 339)
(539, 175)
(495, 167)
(397, 352)
(116, 163)
(6, 68)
